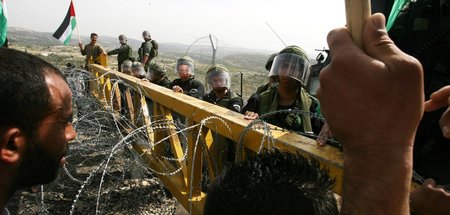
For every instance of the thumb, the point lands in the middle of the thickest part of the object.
(376, 41)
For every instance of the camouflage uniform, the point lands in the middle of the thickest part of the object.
(145, 51)
(230, 100)
(124, 52)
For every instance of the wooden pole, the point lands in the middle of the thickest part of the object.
(357, 12)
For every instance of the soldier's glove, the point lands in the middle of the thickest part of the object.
(293, 120)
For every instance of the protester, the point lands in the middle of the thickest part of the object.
(35, 122)
(92, 51)
(373, 102)
(272, 182)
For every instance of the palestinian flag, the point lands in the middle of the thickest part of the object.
(64, 32)
(3, 22)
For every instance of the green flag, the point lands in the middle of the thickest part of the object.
(3, 22)
(396, 8)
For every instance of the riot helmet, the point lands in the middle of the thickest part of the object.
(292, 62)
(137, 70)
(185, 67)
(122, 39)
(156, 69)
(270, 61)
(218, 76)
(126, 66)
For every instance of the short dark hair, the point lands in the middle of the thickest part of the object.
(273, 182)
(94, 34)
(24, 93)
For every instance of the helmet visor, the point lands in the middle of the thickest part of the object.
(219, 79)
(184, 66)
(291, 65)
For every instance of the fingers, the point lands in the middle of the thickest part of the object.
(438, 99)
(429, 183)
(250, 115)
(444, 123)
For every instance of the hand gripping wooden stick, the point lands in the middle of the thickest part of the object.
(357, 12)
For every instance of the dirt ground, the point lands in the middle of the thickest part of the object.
(102, 175)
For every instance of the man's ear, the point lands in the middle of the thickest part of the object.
(12, 145)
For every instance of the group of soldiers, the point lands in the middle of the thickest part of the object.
(283, 101)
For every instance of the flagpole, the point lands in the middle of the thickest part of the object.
(357, 12)
(78, 31)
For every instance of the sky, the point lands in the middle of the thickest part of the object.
(239, 23)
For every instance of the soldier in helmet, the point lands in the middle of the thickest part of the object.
(221, 94)
(157, 74)
(126, 67)
(186, 83)
(251, 102)
(148, 50)
(137, 70)
(124, 52)
(291, 66)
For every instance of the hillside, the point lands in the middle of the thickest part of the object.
(237, 60)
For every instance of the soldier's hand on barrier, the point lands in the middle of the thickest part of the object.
(250, 115)
(177, 89)
(439, 99)
(364, 94)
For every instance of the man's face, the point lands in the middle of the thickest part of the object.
(47, 148)
(184, 71)
(218, 82)
(93, 39)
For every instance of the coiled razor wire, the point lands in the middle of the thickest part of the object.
(100, 127)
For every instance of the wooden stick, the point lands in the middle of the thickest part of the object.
(357, 12)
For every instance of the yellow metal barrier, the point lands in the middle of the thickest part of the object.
(185, 184)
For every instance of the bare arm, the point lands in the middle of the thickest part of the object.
(373, 102)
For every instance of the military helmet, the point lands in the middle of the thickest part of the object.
(126, 66)
(186, 60)
(292, 62)
(270, 61)
(122, 38)
(156, 68)
(146, 35)
(138, 70)
(218, 76)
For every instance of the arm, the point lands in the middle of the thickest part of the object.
(373, 102)
(82, 50)
(119, 50)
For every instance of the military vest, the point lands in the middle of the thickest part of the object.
(269, 102)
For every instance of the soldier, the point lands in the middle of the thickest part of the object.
(92, 51)
(124, 52)
(148, 50)
(137, 70)
(221, 94)
(291, 66)
(251, 102)
(186, 83)
(126, 67)
(157, 74)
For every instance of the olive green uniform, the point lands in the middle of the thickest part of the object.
(92, 51)
(124, 52)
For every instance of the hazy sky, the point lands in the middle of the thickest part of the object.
(235, 22)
